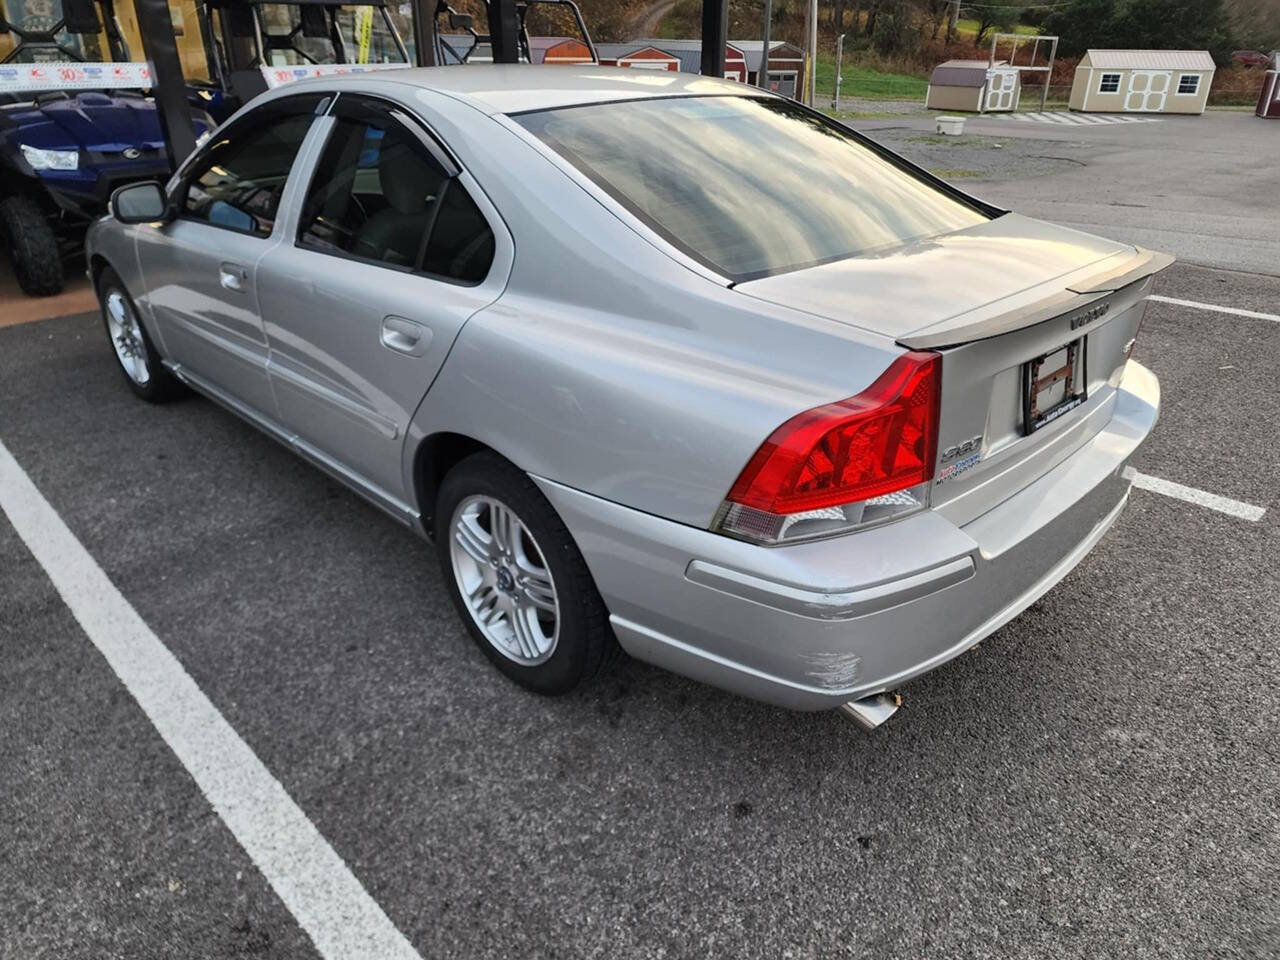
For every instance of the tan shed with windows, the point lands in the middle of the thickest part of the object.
(1142, 81)
(975, 86)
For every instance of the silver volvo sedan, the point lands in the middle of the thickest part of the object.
(657, 361)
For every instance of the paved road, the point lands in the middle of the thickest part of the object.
(1102, 777)
(1205, 188)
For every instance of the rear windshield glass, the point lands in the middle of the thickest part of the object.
(749, 186)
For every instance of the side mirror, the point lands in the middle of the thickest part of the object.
(460, 21)
(140, 203)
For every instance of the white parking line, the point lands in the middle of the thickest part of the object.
(1068, 118)
(325, 897)
(1215, 308)
(1201, 498)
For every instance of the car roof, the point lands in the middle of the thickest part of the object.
(517, 87)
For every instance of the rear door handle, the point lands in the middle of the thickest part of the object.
(232, 276)
(405, 336)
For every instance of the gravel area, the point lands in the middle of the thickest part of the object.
(984, 158)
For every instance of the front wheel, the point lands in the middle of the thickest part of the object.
(33, 247)
(517, 578)
(135, 353)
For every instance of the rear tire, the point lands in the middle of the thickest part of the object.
(525, 596)
(33, 248)
(136, 356)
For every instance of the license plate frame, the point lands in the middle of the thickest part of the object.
(1036, 381)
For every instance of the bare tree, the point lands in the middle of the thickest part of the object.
(992, 16)
(933, 14)
(1256, 23)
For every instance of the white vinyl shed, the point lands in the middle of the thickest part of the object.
(976, 86)
(1142, 81)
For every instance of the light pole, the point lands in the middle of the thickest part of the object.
(812, 79)
(835, 102)
(762, 75)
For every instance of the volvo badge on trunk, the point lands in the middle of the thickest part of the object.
(1090, 315)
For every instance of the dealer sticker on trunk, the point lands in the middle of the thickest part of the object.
(953, 470)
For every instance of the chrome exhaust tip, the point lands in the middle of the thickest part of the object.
(870, 712)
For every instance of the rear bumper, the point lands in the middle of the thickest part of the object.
(812, 625)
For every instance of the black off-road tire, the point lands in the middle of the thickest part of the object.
(33, 247)
(585, 644)
(162, 385)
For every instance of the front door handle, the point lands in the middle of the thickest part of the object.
(405, 336)
(232, 276)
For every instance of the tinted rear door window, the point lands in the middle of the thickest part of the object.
(380, 193)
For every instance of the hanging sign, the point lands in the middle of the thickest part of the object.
(364, 27)
(279, 76)
(69, 75)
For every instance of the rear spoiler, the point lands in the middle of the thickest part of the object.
(1081, 293)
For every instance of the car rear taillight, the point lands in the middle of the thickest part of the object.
(852, 463)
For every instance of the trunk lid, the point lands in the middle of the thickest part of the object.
(1003, 263)
(993, 300)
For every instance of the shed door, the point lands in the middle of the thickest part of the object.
(1001, 85)
(783, 83)
(1147, 90)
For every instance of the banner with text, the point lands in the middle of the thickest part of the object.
(69, 75)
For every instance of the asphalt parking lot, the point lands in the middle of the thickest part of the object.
(1205, 188)
(1099, 778)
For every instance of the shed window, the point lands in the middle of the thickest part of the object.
(1189, 83)
(1110, 83)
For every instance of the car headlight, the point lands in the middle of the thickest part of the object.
(51, 159)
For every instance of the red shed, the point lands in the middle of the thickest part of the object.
(561, 50)
(1269, 98)
(786, 66)
(637, 56)
(689, 55)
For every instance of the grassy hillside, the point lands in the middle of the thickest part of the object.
(866, 82)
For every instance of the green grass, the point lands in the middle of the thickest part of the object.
(865, 83)
(971, 28)
(987, 143)
(861, 114)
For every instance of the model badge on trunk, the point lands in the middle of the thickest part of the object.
(968, 446)
(1090, 315)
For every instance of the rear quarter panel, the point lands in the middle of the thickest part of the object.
(609, 367)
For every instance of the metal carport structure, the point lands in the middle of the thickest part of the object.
(161, 49)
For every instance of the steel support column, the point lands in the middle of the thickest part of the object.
(504, 31)
(715, 34)
(424, 32)
(168, 85)
(762, 75)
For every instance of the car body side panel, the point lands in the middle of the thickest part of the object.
(337, 385)
(117, 245)
(610, 367)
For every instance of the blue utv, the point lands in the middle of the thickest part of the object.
(63, 151)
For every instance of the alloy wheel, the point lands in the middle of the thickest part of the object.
(504, 580)
(126, 337)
